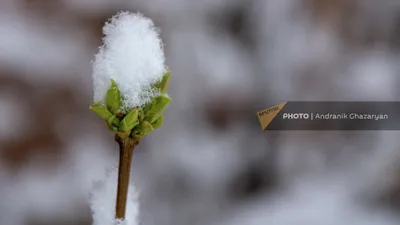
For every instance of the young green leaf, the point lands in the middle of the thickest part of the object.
(114, 122)
(110, 127)
(156, 108)
(144, 128)
(156, 124)
(124, 134)
(101, 111)
(130, 121)
(113, 96)
(163, 84)
(141, 114)
(136, 136)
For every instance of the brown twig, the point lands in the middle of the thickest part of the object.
(126, 146)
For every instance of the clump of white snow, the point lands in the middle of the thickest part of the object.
(133, 56)
(103, 198)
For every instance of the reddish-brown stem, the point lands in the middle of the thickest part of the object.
(126, 146)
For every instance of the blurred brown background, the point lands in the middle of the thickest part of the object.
(209, 163)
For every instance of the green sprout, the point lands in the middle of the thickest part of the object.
(138, 122)
(130, 128)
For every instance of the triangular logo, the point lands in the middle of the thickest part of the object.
(267, 115)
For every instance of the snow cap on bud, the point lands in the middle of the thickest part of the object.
(133, 57)
(129, 77)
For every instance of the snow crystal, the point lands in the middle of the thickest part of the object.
(102, 202)
(132, 55)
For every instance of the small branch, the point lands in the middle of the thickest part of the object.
(126, 147)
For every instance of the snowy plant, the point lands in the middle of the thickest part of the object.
(130, 83)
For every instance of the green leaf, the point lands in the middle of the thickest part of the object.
(130, 121)
(156, 108)
(110, 127)
(136, 136)
(101, 111)
(113, 98)
(144, 128)
(141, 130)
(156, 124)
(114, 122)
(124, 134)
(163, 84)
(141, 115)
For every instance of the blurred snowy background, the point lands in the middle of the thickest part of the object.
(210, 163)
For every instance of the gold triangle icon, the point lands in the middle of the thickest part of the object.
(267, 115)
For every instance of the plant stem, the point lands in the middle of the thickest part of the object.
(126, 146)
